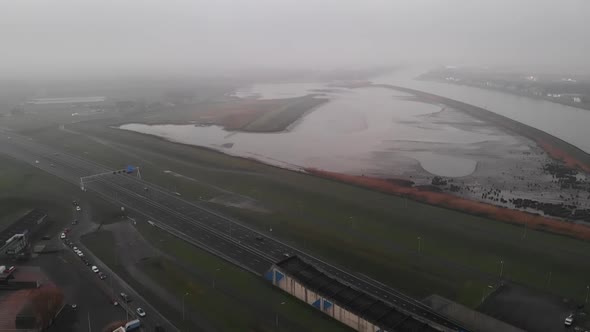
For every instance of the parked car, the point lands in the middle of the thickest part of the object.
(80, 254)
(569, 320)
(102, 276)
(94, 269)
(62, 236)
(78, 208)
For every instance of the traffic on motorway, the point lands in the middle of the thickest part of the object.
(223, 236)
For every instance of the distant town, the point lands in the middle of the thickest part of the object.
(564, 89)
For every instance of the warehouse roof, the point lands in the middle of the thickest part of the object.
(26, 222)
(378, 312)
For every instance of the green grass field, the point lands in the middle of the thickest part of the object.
(239, 301)
(365, 231)
(23, 188)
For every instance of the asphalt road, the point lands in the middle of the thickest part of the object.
(113, 285)
(80, 288)
(218, 234)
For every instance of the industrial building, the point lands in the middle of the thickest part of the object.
(67, 100)
(15, 239)
(340, 301)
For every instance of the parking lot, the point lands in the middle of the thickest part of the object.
(534, 311)
(90, 289)
(79, 286)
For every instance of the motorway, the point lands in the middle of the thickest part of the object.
(199, 225)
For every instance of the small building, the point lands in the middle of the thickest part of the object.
(14, 239)
(340, 301)
(22, 277)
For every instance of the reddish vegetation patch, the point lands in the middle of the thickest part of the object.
(10, 306)
(44, 303)
(558, 154)
(236, 115)
(462, 204)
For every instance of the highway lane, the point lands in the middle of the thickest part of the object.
(277, 249)
(208, 229)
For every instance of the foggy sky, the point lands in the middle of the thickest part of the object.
(88, 37)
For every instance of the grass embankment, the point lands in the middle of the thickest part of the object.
(280, 119)
(228, 298)
(23, 188)
(450, 201)
(249, 115)
(364, 230)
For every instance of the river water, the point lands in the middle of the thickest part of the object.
(372, 131)
(568, 123)
(381, 132)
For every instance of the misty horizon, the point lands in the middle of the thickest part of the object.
(67, 38)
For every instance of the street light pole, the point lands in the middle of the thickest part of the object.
(183, 297)
(215, 276)
(277, 316)
(419, 244)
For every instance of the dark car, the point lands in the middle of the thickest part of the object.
(102, 276)
(125, 297)
(259, 238)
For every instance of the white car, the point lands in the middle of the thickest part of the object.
(80, 253)
(62, 236)
(94, 269)
(569, 320)
(78, 208)
(140, 312)
(75, 249)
